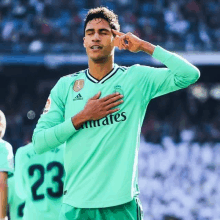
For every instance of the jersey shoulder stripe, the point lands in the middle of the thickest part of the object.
(123, 67)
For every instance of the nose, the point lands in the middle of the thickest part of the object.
(96, 37)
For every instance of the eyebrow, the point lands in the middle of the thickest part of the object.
(92, 29)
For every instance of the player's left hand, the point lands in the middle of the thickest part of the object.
(133, 42)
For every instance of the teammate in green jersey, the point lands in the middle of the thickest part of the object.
(16, 204)
(99, 112)
(6, 167)
(39, 182)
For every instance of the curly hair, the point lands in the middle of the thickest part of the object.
(105, 13)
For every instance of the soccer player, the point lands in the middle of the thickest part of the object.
(6, 167)
(16, 204)
(39, 182)
(99, 112)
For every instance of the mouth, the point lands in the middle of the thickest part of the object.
(96, 48)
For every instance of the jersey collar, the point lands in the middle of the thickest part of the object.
(109, 75)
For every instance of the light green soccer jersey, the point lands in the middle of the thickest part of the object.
(6, 157)
(101, 157)
(39, 181)
(16, 204)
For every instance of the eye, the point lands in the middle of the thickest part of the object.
(89, 33)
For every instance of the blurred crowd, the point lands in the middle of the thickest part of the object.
(179, 180)
(28, 26)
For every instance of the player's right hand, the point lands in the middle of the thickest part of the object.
(97, 108)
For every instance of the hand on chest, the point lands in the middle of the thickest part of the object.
(82, 90)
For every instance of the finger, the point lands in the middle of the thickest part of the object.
(114, 104)
(113, 110)
(129, 40)
(96, 96)
(116, 41)
(120, 44)
(109, 101)
(117, 32)
(109, 96)
(126, 47)
(123, 43)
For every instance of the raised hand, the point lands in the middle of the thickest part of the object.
(133, 44)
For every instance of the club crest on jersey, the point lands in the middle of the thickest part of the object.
(47, 106)
(78, 85)
(118, 89)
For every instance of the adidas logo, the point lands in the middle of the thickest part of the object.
(78, 97)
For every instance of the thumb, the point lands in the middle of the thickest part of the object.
(96, 96)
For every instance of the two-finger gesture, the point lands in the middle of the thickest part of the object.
(127, 41)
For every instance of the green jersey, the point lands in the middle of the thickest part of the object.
(16, 204)
(101, 157)
(39, 181)
(6, 157)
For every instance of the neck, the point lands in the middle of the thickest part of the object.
(99, 69)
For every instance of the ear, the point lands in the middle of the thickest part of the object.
(84, 42)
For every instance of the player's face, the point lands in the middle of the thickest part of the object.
(98, 40)
(2, 124)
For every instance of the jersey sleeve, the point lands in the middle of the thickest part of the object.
(19, 175)
(154, 82)
(6, 158)
(52, 130)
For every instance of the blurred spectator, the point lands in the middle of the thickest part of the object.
(187, 188)
(177, 25)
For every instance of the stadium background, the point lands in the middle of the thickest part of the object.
(179, 157)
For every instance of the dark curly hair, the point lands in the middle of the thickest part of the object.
(105, 13)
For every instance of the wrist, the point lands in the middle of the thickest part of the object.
(147, 47)
(84, 116)
(79, 119)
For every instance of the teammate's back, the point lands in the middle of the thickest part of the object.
(39, 181)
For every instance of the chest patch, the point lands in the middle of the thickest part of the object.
(118, 89)
(78, 85)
